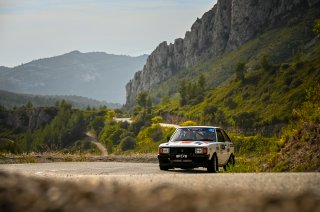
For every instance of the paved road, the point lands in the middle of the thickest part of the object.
(161, 124)
(142, 175)
(99, 145)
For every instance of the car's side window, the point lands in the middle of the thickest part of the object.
(225, 136)
(220, 136)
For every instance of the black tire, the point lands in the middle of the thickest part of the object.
(230, 163)
(213, 164)
(163, 168)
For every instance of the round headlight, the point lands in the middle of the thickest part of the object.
(201, 150)
(164, 150)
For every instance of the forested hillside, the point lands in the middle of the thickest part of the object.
(10, 100)
(46, 129)
(253, 88)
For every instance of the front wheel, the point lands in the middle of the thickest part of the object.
(163, 168)
(213, 164)
(231, 162)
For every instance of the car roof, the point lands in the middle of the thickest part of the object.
(199, 127)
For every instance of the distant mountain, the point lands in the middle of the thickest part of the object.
(95, 75)
(9, 100)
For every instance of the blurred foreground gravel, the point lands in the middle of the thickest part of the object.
(19, 192)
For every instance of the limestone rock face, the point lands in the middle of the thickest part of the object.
(227, 26)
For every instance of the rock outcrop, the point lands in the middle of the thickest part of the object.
(227, 26)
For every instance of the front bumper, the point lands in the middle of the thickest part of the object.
(191, 161)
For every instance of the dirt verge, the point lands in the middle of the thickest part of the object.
(58, 157)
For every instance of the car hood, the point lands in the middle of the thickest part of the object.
(186, 144)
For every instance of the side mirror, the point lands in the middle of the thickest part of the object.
(168, 138)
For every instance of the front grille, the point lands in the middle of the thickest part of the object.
(181, 150)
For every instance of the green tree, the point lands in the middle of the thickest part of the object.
(66, 128)
(28, 141)
(183, 92)
(142, 99)
(110, 115)
(2, 108)
(155, 132)
(265, 64)
(240, 71)
(149, 105)
(245, 120)
(209, 111)
(221, 118)
(189, 123)
(316, 27)
(64, 105)
(115, 137)
(127, 143)
(142, 113)
(157, 120)
(202, 83)
(310, 110)
(97, 124)
(29, 105)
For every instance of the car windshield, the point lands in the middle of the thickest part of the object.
(194, 134)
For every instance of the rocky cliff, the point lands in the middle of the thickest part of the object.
(228, 25)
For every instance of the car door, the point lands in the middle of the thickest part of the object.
(228, 143)
(222, 155)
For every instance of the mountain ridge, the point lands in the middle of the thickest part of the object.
(96, 75)
(10, 100)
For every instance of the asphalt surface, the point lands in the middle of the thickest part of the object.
(148, 175)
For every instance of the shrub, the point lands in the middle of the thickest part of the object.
(127, 143)
(231, 104)
(155, 132)
(298, 65)
(240, 71)
(9, 146)
(116, 135)
(285, 66)
(245, 120)
(189, 123)
(316, 27)
(157, 120)
(255, 145)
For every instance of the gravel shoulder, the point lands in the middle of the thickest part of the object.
(58, 157)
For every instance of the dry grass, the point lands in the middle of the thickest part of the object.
(60, 157)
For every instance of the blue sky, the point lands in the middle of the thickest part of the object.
(33, 29)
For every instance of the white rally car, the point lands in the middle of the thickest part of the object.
(197, 146)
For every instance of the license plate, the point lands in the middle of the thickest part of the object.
(181, 156)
